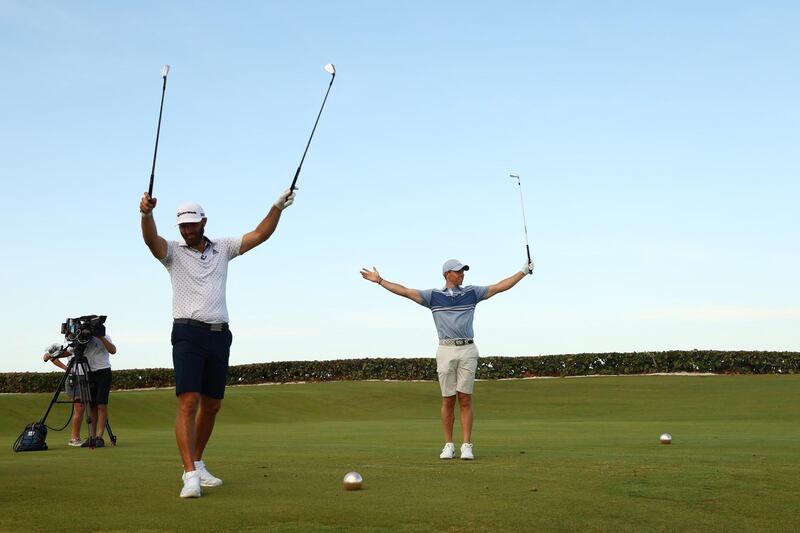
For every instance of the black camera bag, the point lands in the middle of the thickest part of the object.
(32, 438)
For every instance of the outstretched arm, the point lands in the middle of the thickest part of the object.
(58, 363)
(156, 243)
(375, 277)
(267, 226)
(510, 281)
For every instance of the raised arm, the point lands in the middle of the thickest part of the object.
(108, 344)
(267, 226)
(156, 243)
(375, 277)
(510, 281)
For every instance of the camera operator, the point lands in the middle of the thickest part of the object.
(70, 388)
(98, 352)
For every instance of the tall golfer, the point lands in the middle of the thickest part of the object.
(201, 338)
(453, 309)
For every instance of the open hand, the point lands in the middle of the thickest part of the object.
(371, 275)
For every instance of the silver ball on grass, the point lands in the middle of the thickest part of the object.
(352, 481)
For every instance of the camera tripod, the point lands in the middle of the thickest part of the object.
(78, 374)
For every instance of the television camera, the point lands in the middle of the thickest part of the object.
(77, 332)
(81, 330)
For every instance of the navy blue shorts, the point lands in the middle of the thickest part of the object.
(200, 357)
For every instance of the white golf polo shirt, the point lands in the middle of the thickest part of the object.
(199, 278)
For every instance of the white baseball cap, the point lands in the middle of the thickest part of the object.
(189, 212)
(453, 264)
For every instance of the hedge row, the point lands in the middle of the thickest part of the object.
(694, 361)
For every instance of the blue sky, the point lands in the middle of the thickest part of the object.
(657, 144)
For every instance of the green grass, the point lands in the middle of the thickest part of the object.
(552, 455)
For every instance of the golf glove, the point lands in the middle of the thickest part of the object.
(527, 268)
(285, 199)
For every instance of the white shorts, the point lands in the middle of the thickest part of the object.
(456, 366)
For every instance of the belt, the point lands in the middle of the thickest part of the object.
(205, 325)
(455, 342)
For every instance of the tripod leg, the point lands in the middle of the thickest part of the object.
(58, 391)
(86, 399)
(111, 433)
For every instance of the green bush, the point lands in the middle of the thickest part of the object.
(586, 364)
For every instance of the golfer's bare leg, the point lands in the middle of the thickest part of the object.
(209, 407)
(102, 417)
(188, 404)
(465, 412)
(448, 416)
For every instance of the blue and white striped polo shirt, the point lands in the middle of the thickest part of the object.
(453, 309)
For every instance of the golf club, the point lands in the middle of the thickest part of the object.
(524, 222)
(164, 72)
(332, 71)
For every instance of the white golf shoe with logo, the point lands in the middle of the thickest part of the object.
(206, 478)
(466, 452)
(191, 485)
(448, 452)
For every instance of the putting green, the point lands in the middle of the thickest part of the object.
(551, 455)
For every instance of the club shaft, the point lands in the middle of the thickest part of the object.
(524, 221)
(297, 173)
(158, 133)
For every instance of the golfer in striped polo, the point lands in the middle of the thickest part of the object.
(201, 339)
(453, 309)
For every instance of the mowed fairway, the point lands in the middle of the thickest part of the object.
(551, 455)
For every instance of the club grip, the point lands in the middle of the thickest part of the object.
(294, 181)
(528, 249)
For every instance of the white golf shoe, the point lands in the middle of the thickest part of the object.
(466, 452)
(448, 452)
(191, 485)
(206, 478)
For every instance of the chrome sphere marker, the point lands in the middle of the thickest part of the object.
(352, 481)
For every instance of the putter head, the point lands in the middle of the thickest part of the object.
(514, 175)
(164, 71)
(329, 68)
